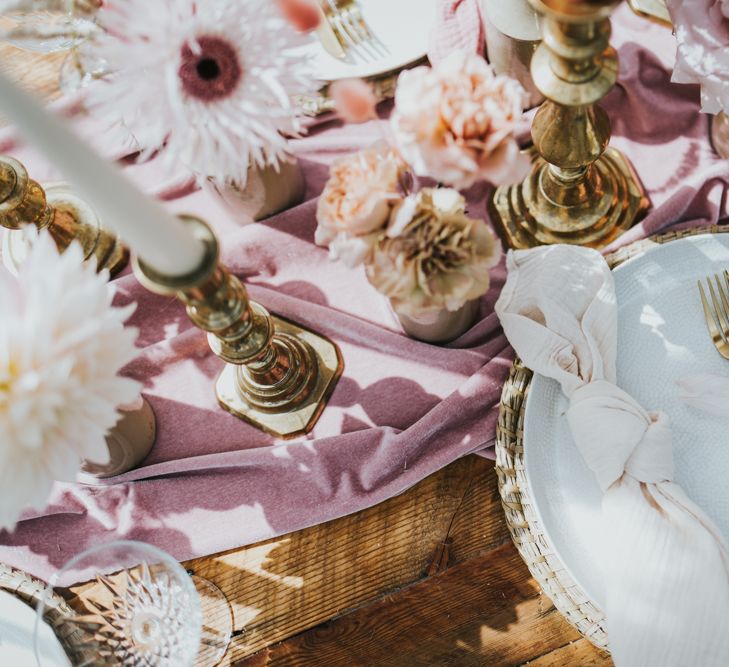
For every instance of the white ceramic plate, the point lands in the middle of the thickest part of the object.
(402, 28)
(17, 625)
(662, 337)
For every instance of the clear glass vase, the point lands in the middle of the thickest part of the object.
(48, 26)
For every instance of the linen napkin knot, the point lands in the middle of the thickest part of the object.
(637, 443)
(664, 564)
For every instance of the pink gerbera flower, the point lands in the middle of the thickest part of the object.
(211, 83)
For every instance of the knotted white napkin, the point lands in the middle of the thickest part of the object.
(665, 565)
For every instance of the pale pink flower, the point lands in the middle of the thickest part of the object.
(354, 100)
(211, 86)
(355, 206)
(303, 15)
(455, 122)
(702, 35)
(433, 257)
(62, 345)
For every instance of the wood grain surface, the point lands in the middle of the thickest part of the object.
(485, 611)
(427, 578)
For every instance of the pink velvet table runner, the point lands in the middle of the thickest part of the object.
(402, 410)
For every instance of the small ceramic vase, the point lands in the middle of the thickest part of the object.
(513, 34)
(267, 192)
(129, 442)
(720, 134)
(443, 327)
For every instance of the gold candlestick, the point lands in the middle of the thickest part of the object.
(56, 208)
(579, 191)
(278, 375)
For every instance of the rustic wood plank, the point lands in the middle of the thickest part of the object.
(486, 611)
(286, 585)
(580, 652)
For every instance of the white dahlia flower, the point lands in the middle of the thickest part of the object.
(61, 347)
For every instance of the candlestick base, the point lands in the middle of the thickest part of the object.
(57, 208)
(600, 206)
(297, 419)
(278, 375)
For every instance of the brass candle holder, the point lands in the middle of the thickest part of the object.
(579, 191)
(56, 208)
(278, 375)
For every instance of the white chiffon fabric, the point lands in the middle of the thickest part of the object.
(665, 565)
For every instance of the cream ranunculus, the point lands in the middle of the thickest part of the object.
(356, 203)
(702, 35)
(455, 122)
(434, 256)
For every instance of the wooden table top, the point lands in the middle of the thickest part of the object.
(430, 577)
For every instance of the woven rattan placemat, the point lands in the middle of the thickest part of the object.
(30, 590)
(526, 531)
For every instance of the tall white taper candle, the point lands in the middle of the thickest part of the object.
(157, 236)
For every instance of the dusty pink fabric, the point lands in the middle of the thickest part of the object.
(458, 25)
(403, 409)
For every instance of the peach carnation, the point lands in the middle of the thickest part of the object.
(455, 122)
(433, 256)
(356, 203)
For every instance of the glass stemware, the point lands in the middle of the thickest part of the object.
(138, 607)
(47, 26)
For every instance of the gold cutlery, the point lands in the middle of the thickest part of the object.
(350, 28)
(327, 36)
(717, 312)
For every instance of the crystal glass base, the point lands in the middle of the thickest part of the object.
(217, 622)
(138, 607)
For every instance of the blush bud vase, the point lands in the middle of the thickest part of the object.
(513, 34)
(441, 327)
(129, 442)
(269, 190)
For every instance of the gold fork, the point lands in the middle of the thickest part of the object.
(349, 26)
(717, 318)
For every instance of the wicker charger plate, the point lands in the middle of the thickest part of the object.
(31, 590)
(526, 531)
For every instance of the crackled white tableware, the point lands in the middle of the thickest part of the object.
(17, 628)
(662, 337)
